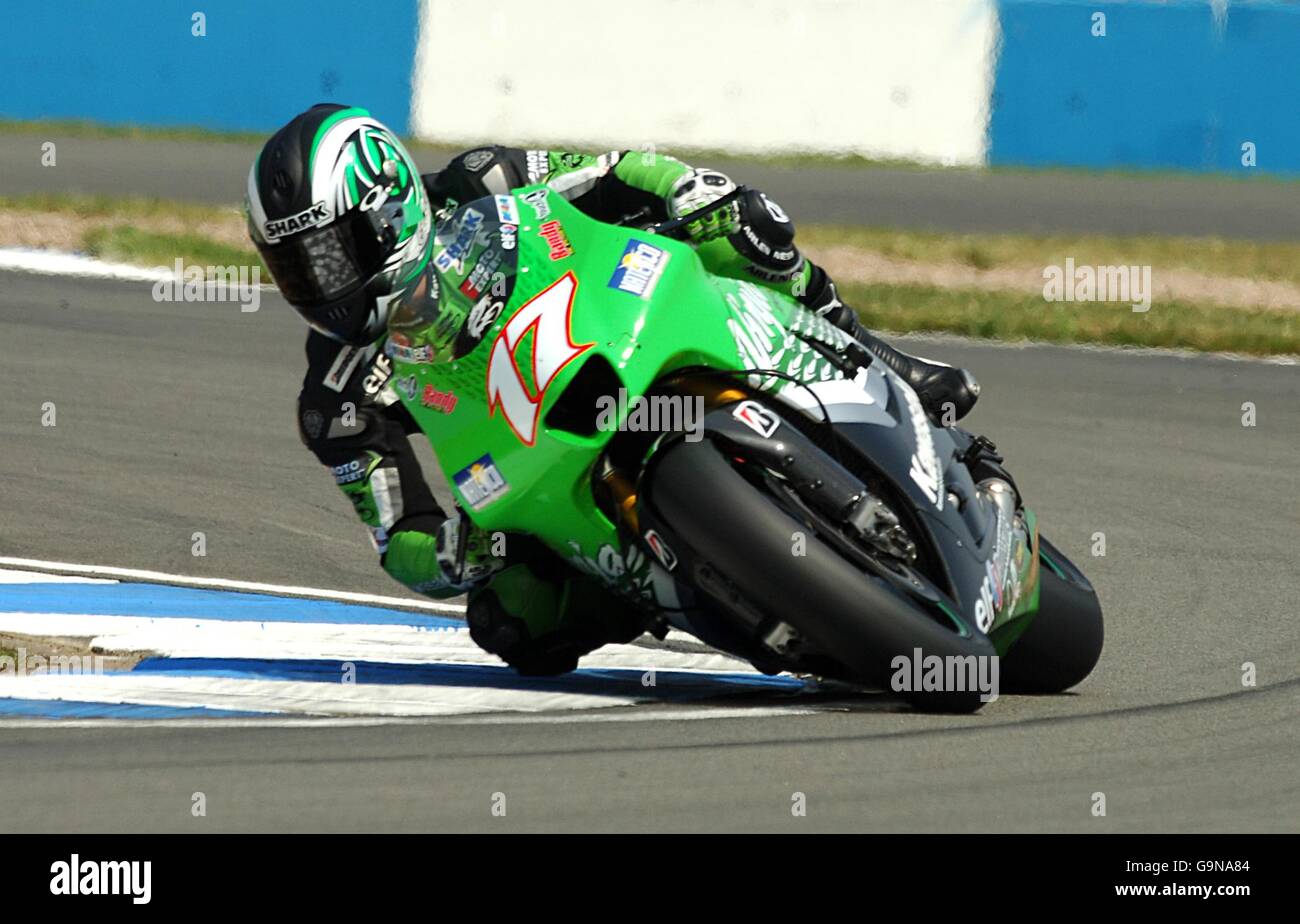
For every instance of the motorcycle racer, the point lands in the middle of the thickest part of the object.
(345, 223)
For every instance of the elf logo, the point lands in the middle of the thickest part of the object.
(76, 876)
(548, 315)
(380, 372)
(985, 607)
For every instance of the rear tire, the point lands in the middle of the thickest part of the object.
(741, 532)
(1064, 640)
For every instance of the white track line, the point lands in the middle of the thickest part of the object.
(175, 637)
(58, 263)
(676, 638)
(62, 263)
(282, 590)
(297, 697)
(642, 714)
(309, 702)
(315, 697)
(36, 577)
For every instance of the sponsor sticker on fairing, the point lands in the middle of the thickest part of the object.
(758, 418)
(557, 242)
(639, 268)
(480, 483)
(538, 202)
(444, 401)
(985, 608)
(925, 469)
(453, 255)
(480, 277)
(483, 315)
(667, 557)
(400, 348)
(507, 211)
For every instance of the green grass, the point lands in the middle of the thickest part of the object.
(1000, 315)
(129, 244)
(98, 206)
(1273, 260)
(1009, 316)
(126, 244)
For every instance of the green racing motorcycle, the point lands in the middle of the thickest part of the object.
(729, 462)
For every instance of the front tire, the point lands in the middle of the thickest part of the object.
(1064, 640)
(742, 533)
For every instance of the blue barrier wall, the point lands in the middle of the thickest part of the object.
(136, 61)
(1171, 85)
(1174, 85)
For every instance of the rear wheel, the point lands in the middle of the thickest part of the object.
(736, 529)
(1064, 640)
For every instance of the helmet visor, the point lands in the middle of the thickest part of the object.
(328, 263)
(312, 268)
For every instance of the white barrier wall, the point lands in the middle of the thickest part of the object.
(882, 78)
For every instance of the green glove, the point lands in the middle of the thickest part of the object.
(459, 556)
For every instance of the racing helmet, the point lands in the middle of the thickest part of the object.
(338, 212)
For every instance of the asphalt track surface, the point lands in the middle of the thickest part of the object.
(942, 200)
(177, 418)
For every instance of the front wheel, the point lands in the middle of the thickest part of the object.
(735, 528)
(1064, 640)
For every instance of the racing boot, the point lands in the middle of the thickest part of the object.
(946, 393)
(540, 620)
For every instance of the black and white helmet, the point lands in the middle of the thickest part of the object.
(338, 211)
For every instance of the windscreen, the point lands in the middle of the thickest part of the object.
(474, 262)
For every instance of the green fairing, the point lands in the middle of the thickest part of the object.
(524, 476)
(1012, 622)
(695, 318)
